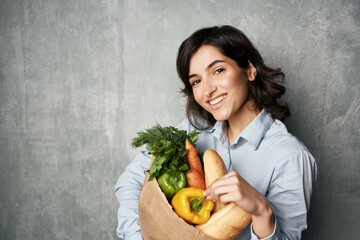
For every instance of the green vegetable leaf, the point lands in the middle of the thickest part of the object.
(167, 144)
(193, 137)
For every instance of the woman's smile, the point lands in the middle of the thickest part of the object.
(217, 102)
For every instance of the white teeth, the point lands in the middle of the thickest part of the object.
(217, 100)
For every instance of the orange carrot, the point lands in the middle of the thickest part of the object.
(196, 174)
(195, 179)
(193, 158)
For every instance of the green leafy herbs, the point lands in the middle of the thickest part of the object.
(167, 144)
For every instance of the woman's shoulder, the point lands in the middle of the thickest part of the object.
(285, 143)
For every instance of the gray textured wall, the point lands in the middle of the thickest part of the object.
(79, 78)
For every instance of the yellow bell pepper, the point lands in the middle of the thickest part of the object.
(191, 205)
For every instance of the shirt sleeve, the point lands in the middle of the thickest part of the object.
(127, 192)
(289, 196)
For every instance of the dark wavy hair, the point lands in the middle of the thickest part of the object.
(233, 43)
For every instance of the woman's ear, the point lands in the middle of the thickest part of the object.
(251, 71)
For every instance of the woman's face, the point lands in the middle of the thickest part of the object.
(219, 85)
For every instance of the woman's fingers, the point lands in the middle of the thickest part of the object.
(223, 193)
(227, 179)
(226, 189)
(233, 188)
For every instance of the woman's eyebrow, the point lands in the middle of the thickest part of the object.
(209, 66)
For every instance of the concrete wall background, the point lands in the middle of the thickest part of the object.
(79, 78)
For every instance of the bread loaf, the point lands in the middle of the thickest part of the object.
(214, 168)
(227, 221)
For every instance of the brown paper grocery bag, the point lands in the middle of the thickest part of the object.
(158, 221)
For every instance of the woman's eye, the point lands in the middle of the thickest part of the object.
(195, 82)
(219, 70)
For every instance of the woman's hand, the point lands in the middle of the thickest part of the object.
(233, 188)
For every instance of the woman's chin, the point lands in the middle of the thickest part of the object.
(220, 117)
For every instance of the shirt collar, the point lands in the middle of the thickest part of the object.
(219, 131)
(257, 129)
(253, 133)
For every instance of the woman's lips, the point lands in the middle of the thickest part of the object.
(217, 102)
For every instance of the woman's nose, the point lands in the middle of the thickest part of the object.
(209, 87)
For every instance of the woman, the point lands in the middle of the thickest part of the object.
(232, 98)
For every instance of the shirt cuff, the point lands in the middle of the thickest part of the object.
(135, 236)
(274, 235)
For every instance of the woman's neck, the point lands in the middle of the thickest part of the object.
(239, 121)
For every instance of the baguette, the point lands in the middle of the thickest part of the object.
(227, 223)
(214, 168)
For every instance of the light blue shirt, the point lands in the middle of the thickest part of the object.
(269, 158)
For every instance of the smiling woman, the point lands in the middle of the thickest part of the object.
(231, 47)
(232, 100)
